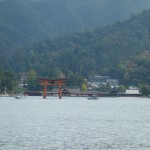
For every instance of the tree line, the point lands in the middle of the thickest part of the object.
(10, 83)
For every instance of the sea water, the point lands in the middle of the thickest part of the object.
(73, 123)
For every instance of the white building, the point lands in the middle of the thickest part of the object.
(132, 90)
(22, 79)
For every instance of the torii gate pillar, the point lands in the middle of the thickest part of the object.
(60, 93)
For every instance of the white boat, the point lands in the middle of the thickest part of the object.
(93, 97)
(19, 96)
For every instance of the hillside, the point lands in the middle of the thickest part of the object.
(104, 51)
(23, 22)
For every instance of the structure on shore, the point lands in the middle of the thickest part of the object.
(78, 93)
(52, 82)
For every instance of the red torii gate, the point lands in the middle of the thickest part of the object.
(52, 82)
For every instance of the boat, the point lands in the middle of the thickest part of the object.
(19, 96)
(93, 97)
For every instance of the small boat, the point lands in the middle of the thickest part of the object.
(93, 97)
(19, 96)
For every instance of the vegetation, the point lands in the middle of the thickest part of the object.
(32, 82)
(145, 90)
(7, 82)
(23, 22)
(120, 50)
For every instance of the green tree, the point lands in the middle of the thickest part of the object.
(7, 81)
(56, 73)
(126, 76)
(145, 90)
(31, 80)
(121, 89)
(84, 87)
(74, 79)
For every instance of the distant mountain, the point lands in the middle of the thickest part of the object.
(121, 50)
(23, 22)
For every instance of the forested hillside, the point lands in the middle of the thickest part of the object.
(23, 22)
(121, 51)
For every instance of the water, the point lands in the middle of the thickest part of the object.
(74, 124)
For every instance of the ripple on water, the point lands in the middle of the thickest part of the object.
(74, 123)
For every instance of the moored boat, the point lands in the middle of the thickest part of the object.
(19, 96)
